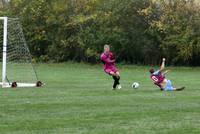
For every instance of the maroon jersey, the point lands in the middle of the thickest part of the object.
(158, 78)
(108, 60)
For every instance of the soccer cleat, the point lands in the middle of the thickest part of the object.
(119, 86)
(180, 89)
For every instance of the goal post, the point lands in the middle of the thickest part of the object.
(17, 69)
(5, 22)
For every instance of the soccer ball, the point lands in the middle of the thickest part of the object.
(135, 85)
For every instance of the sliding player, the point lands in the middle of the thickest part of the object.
(108, 60)
(159, 79)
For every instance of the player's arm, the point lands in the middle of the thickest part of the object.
(112, 56)
(163, 65)
(166, 72)
(107, 59)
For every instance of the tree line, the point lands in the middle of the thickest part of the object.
(139, 31)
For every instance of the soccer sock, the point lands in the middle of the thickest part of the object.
(118, 78)
(115, 82)
(180, 89)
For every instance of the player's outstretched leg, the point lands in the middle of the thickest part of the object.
(169, 87)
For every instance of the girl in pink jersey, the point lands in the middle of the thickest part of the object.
(159, 79)
(108, 60)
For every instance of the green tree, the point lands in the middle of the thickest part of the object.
(178, 26)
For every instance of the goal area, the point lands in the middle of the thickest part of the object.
(16, 68)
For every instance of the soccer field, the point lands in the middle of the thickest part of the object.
(78, 98)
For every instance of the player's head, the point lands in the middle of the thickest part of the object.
(151, 71)
(106, 48)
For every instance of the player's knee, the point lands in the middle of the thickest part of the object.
(112, 73)
(117, 73)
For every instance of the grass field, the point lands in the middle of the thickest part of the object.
(78, 99)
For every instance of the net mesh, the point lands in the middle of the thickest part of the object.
(19, 66)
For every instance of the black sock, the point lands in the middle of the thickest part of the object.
(118, 78)
(115, 85)
(114, 77)
(115, 82)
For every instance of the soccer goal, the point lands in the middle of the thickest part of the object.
(16, 66)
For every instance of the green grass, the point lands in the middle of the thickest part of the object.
(78, 98)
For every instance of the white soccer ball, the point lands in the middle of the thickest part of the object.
(135, 85)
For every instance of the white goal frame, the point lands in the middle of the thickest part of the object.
(5, 34)
(4, 82)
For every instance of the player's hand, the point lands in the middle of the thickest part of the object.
(164, 59)
(112, 56)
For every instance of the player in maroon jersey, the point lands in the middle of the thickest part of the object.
(108, 60)
(159, 79)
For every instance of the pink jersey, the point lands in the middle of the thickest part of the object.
(158, 78)
(108, 61)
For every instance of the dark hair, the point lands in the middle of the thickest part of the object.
(151, 70)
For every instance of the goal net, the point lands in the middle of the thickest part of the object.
(16, 67)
